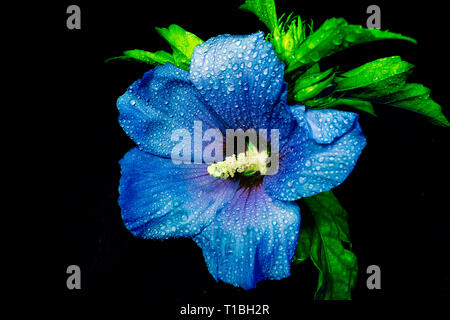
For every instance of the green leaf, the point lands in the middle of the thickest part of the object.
(264, 9)
(407, 92)
(415, 97)
(384, 81)
(182, 43)
(181, 60)
(311, 77)
(374, 79)
(335, 35)
(303, 250)
(159, 57)
(337, 265)
(357, 104)
(341, 103)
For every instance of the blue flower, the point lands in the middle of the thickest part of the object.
(247, 227)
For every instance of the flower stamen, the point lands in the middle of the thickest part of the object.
(246, 163)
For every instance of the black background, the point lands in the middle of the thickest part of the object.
(397, 196)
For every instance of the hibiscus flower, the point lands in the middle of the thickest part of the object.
(246, 221)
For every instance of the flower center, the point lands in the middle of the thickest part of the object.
(245, 164)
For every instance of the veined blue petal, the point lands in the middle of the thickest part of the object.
(160, 199)
(163, 101)
(241, 79)
(253, 238)
(326, 125)
(319, 156)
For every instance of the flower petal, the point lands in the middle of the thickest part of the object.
(163, 101)
(326, 125)
(160, 199)
(241, 79)
(319, 156)
(253, 238)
